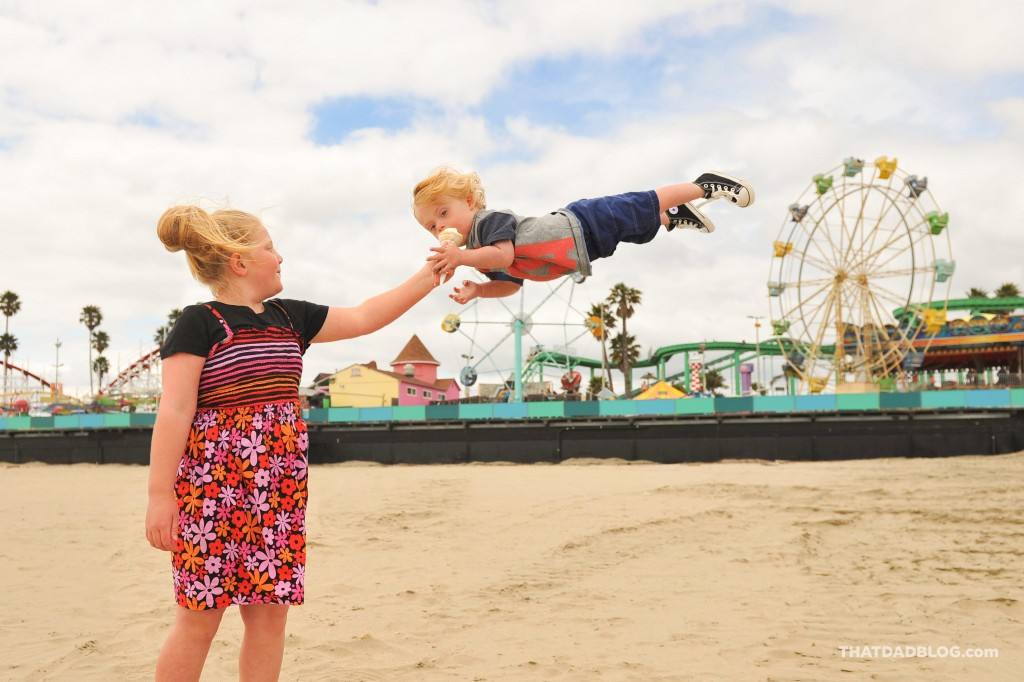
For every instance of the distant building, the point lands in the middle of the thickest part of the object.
(411, 381)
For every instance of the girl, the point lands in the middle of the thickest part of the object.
(228, 467)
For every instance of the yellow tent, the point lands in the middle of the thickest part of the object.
(660, 391)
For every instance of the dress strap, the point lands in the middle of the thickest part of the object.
(223, 322)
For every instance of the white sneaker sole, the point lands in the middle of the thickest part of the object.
(727, 194)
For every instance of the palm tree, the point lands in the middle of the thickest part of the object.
(625, 351)
(8, 344)
(91, 318)
(101, 367)
(601, 312)
(624, 300)
(162, 332)
(975, 292)
(1007, 290)
(713, 380)
(100, 342)
(10, 304)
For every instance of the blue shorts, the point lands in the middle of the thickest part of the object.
(632, 217)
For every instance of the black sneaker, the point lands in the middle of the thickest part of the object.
(687, 217)
(718, 186)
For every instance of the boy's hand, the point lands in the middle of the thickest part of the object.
(446, 257)
(466, 293)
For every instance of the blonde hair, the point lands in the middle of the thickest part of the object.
(449, 182)
(208, 239)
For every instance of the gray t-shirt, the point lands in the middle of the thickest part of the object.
(546, 247)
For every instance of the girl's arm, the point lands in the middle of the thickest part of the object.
(180, 379)
(376, 312)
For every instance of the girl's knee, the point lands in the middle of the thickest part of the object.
(199, 624)
(264, 616)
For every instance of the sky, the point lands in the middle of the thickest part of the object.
(320, 117)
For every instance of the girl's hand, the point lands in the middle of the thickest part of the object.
(466, 293)
(162, 521)
(446, 257)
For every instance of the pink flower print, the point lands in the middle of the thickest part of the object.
(268, 536)
(213, 564)
(207, 419)
(283, 588)
(283, 522)
(257, 421)
(297, 593)
(201, 474)
(209, 507)
(211, 449)
(299, 574)
(190, 589)
(299, 467)
(262, 478)
(229, 495)
(268, 562)
(250, 562)
(231, 551)
(225, 436)
(224, 512)
(303, 441)
(281, 538)
(276, 465)
(202, 532)
(258, 501)
(268, 411)
(253, 447)
(209, 589)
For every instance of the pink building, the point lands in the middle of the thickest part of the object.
(416, 371)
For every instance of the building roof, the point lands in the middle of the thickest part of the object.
(415, 352)
(441, 385)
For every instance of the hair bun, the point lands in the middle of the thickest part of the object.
(176, 224)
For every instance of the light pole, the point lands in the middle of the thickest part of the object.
(56, 372)
(757, 348)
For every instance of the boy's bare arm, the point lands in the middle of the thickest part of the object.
(498, 289)
(497, 256)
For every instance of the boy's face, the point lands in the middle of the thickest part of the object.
(446, 212)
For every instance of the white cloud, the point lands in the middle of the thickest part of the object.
(233, 85)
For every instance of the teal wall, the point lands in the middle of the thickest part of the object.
(929, 400)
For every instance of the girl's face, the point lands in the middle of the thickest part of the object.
(264, 266)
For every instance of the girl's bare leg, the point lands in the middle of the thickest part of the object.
(263, 643)
(184, 651)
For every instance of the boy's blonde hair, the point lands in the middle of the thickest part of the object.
(449, 182)
(209, 239)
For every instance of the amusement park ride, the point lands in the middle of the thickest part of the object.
(858, 295)
(858, 289)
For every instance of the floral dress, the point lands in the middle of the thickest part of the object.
(241, 482)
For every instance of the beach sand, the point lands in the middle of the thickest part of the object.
(586, 570)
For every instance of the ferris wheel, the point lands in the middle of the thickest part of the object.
(861, 256)
(488, 337)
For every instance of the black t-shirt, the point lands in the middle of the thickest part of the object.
(494, 227)
(198, 329)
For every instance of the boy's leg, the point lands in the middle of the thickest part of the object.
(671, 196)
(633, 217)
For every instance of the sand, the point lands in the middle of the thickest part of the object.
(578, 571)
